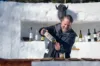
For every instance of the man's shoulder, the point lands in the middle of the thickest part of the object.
(55, 25)
(58, 24)
(72, 32)
(58, 27)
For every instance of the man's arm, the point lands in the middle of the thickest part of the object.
(69, 41)
(50, 29)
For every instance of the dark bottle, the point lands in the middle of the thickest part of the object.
(80, 36)
(89, 35)
(95, 35)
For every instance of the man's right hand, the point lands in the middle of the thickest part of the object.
(42, 33)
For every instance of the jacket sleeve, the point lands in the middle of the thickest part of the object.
(69, 41)
(50, 29)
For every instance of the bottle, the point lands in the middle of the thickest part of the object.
(53, 40)
(62, 52)
(95, 35)
(80, 36)
(89, 35)
(42, 38)
(36, 36)
(49, 36)
(98, 35)
(30, 34)
(76, 39)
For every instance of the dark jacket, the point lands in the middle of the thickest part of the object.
(66, 39)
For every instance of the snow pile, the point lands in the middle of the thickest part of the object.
(47, 12)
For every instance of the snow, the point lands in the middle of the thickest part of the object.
(47, 12)
(12, 14)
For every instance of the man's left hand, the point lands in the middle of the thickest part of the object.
(57, 46)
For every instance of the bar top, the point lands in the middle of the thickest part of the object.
(51, 59)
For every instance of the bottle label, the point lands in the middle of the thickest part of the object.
(30, 35)
(80, 39)
(47, 35)
(42, 38)
(46, 50)
(99, 39)
(95, 35)
(36, 37)
(88, 37)
(62, 55)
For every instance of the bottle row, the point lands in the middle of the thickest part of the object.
(31, 37)
(95, 36)
(89, 37)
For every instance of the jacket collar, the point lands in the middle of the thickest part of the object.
(59, 30)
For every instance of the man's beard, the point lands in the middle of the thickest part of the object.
(64, 30)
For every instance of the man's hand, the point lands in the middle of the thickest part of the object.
(57, 46)
(42, 31)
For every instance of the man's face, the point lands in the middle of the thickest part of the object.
(65, 24)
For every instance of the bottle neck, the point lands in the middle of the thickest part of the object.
(89, 32)
(80, 35)
(30, 29)
(80, 32)
(94, 31)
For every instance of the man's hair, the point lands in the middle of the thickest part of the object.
(69, 17)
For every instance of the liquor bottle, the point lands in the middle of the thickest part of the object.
(80, 36)
(95, 35)
(89, 35)
(98, 35)
(36, 36)
(49, 36)
(53, 40)
(30, 34)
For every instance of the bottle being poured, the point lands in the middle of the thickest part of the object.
(49, 36)
(53, 40)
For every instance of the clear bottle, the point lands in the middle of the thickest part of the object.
(30, 34)
(36, 35)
